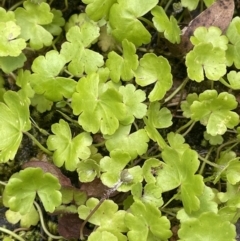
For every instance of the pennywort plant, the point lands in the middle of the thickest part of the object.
(118, 137)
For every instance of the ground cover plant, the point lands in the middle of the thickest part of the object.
(119, 120)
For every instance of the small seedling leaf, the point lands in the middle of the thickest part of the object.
(153, 69)
(45, 79)
(68, 150)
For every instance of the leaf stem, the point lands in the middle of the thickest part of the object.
(68, 118)
(204, 163)
(38, 143)
(224, 82)
(189, 129)
(3, 183)
(43, 224)
(4, 230)
(234, 142)
(15, 6)
(180, 87)
(169, 201)
(209, 162)
(146, 21)
(185, 126)
(167, 5)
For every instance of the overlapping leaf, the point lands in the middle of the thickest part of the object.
(134, 143)
(32, 19)
(178, 169)
(214, 111)
(98, 9)
(114, 172)
(146, 223)
(26, 220)
(76, 50)
(233, 35)
(10, 44)
(123, 67)
(160, 118)
(98, 107)
(106, 216)
(124, 22)
(164, 24)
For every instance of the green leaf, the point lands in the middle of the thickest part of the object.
(23, 186)
(151, 194)
(154, 69)
(107, 215)
(154, 134)
(6, 16)
(98, 9)
(223, 161)
(207, 204)
(146, 223)
(26, 220)
(214, 111)
(150, 168)
(23, 81)
(10, 44)
(133, 99)
(123, 19)
(211, 227)
(233, 34)
(213, 140)
(14, 120)
(41, 103)
(177, 142)
(88, 170)
(9, 64)
(45, 79)
(123, 67)
(76, 50)
(160, 118)
(234, 80)
(58, 21)
(192, 4)
(178, 169)
(134, 144)
(68, 150)
(210, 35)
(205, 58)
(32, 19)
(230, 165)
(100, 107)
(112, 166)
(102, 236)
(231, 197)
(164, 24)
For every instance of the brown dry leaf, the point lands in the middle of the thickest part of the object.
(69, 226)
(218, 14)
(95, 188)
(48, 167)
